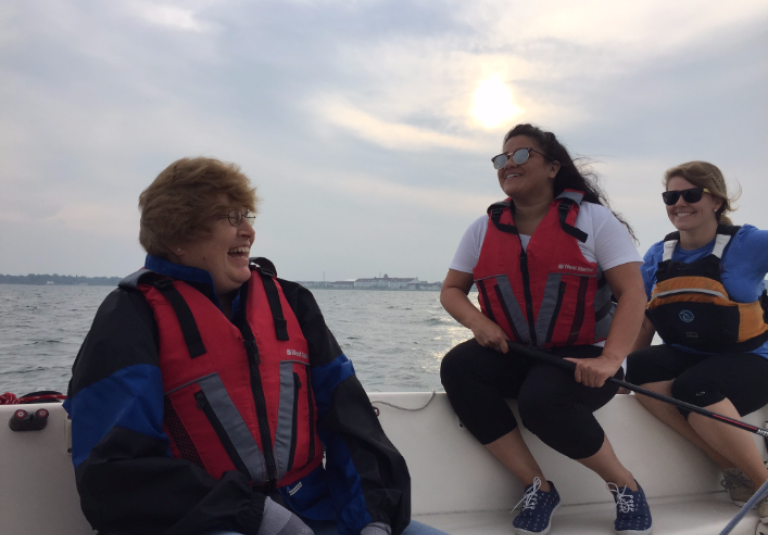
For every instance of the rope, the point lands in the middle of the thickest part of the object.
(761, 493)
(388, 404)
(8, 399)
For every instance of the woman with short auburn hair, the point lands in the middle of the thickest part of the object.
(180, 204)
(706, 289)
(198, 395)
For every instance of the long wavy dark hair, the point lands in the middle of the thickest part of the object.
(570, 175)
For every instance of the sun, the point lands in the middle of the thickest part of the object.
(493, 103)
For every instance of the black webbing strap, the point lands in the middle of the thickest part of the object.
(184, 314)
(562, 212)
(273, 297)
(495, 212)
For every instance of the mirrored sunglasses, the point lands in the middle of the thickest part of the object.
(520, 156)
(691, 196)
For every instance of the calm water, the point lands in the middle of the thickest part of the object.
(395, 339)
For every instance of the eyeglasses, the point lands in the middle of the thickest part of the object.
(691, 196)
(235, 216)
(520, 156)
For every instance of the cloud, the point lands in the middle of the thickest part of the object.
(390, 135)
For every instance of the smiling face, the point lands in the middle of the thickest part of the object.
(223, 253)
(531, 181)
(691, 217)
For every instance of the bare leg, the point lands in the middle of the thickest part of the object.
(513, 453)
(607, 465)
(672, 417)
(733, 444)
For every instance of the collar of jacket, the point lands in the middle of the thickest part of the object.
(198, 278)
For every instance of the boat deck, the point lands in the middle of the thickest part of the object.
(691, 515)
(456, 484)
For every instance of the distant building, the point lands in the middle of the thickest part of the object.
(424, 285)
(385, 283)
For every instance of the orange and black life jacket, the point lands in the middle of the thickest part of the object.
(238, 393)
(547, 294)
(690, 306)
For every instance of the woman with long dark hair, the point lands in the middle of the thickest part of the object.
(548, 262)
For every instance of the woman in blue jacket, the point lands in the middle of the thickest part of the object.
(208, 390)
(705, 285)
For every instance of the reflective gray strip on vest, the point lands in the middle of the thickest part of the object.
(234, 426)
(690, 290)
(603, 325)
(720, 242)
(604, 308)
(284, 419)
(669, 248)
(575, 196)
(548, 304)
(513, 308)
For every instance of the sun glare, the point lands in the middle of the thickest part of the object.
(493, 103)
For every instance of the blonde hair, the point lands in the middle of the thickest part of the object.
(180, 204)
(706, 175)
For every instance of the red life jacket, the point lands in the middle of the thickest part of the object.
(237, 393)
(547, 295)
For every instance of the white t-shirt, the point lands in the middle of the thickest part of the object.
(608, 242)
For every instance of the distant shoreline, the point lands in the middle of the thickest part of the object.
(62, 280)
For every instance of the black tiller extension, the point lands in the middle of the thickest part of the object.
(570, 366)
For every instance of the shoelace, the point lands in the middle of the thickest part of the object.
(530, 499)
(731, 480)
(625, 503)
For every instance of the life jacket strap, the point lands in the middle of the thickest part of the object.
(186, 319)
(495, 212)
(273, 298)
(722, 239)
(562, 213)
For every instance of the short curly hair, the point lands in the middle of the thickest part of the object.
(180, 204)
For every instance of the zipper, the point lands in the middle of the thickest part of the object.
(257, 389)
(484, 294)
(202, 404)
(556, 312)
(294, 420)
(527, 292)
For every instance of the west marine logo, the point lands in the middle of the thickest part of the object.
(686, 316)
(294, 353)
(580, 269)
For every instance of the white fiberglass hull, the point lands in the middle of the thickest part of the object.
(457, 485)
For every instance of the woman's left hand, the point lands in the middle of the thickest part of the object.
(594, 372)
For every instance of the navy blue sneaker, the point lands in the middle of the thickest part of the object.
(538, 508)
(633, 516)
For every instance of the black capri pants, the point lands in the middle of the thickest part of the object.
(703, 380)
(551, 403)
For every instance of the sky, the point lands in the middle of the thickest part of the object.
(366, 126)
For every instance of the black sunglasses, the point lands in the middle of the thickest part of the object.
(520, 156)
(691, 196)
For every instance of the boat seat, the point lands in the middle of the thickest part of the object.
(461, 488)
(456, 484)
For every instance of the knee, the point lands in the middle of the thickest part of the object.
(695, 392)
(535, 411)
(453, 367)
